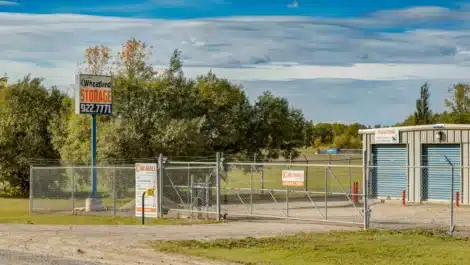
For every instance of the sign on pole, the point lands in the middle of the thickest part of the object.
(387, 136)
(294, 178)
(93, 95)
(146, 181)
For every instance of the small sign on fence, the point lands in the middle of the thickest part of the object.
(146, 181)
(293, 178)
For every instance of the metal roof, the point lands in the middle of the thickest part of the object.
(421, 128)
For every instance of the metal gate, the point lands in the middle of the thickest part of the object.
(189, 189)
(254, 190)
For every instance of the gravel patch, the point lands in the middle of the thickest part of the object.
(126, 244)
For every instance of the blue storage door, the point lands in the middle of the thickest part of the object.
(437, 181)
(390, 171)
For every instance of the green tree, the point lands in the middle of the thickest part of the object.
(280, 128)
(458, 104)
(28, 115)
(325, 132)
(309, 139)
(423, 113)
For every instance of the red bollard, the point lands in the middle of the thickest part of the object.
(457, 199)
(355, 192)
(353, 196)
(403, 197)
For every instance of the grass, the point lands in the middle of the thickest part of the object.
(15, 211)
(338, 178)
(341, 248)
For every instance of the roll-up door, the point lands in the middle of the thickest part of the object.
(435, 173)
(389, 171)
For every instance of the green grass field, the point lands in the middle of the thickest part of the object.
(341, 248)
(15, 211)
(338, 178)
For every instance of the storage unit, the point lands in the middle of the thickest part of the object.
(437, 174)
(416, 159)
(389, 171)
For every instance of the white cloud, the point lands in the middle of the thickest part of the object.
(145, 5)
(8, 3)
(253, 50)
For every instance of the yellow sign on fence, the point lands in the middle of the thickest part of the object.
(150, 192)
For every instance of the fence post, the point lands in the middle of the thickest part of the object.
(73, 190)
(251, 189)
(365, 188)
(326, 193)
(114, 189)
(217, 181)
(287, 202)
(262, 179)
(349, 174)
(306, 174)
(451, 224)
(160, 186)
(31, 190)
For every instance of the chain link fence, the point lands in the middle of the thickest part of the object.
(65, 189)
(394, 195)
(426, 196)
(255, 190)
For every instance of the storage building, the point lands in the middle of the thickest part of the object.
(419, 160)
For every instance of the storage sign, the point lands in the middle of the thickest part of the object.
(387, 136)
(146, 181)
(293, 178)
(93, 95)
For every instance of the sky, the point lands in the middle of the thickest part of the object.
(338, 61)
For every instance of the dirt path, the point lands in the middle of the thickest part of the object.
(130, 244)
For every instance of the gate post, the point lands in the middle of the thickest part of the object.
(365, 185)
(31, 197)
(217, 184)
(160, 187)
(451, 221)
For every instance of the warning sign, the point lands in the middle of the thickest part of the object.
(294, 178)
(146, 181)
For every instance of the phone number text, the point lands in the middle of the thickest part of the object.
(92, 108)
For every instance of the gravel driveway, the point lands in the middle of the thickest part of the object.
(99, 245)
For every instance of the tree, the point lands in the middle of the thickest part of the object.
(27, 118)
(423, 113)
(309, 139)
(458, 104)
(280, 128)
(227, 112)
(133, 61)
(323, 131)
(96, 60)
(3, 82)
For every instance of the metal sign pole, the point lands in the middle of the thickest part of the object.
(93, 157)
(217, 179)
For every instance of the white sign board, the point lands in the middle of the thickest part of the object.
(93, 95)
(387, 136)
(293, 178)
(145, 178)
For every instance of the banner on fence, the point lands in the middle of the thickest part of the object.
(293, 178)
(145, 179)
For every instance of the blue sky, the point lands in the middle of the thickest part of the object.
(341, 60)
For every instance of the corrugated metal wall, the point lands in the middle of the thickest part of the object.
(415, 141)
